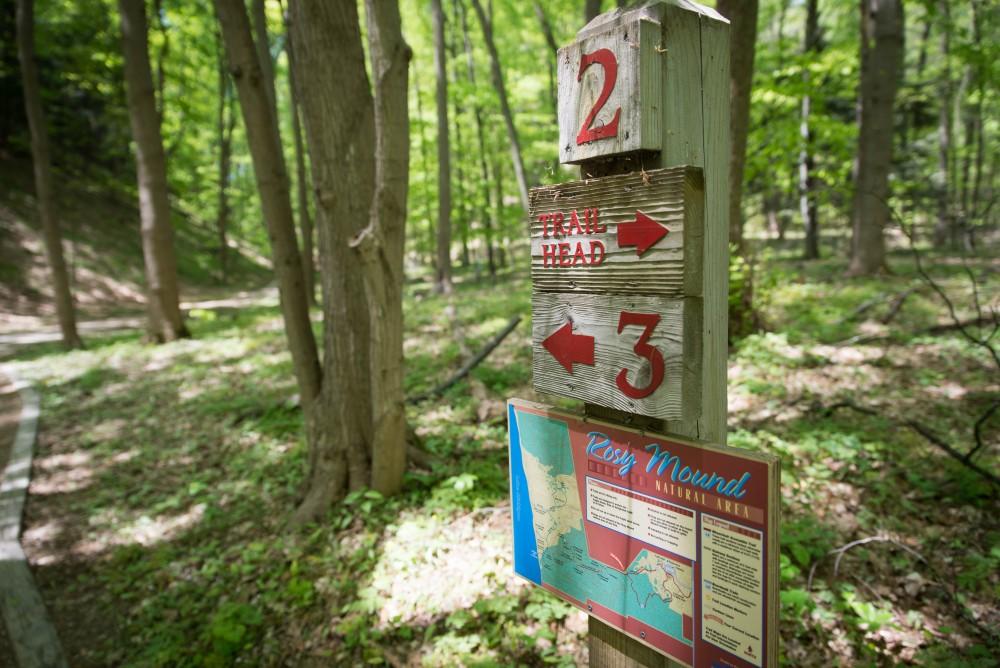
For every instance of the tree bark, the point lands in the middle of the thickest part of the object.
(301, 177)
(390, 57)
(591, 8)
(881, 64)
(484, 173)
(742, 15)
(226, 123)
(807, 178)
(508, 117)
(263, 46)
(443, 278)
(944, 233)
(358, 439)
(272, 183)
(163, 299)
(41, 160)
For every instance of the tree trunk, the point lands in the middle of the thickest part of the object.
(484, 181)
(386, 242)
(742, 15)
(881, 65)
(263, 46)
(272, 183)
(550, 39)
(424, 170)
(359, 436)
(226, 123)
(41, 159)
(807, 178)
(163, 299)
(944, 229)
(443, 278)
(301, 177)
(508, 117)
(591, 8)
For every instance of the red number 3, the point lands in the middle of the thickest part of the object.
(606, 59)
(644, 350)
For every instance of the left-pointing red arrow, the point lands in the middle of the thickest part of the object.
(569, 348)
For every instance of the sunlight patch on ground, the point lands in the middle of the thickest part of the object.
(432, 565)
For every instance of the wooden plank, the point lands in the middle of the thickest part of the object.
(35, 642)
(613, 96)
(676, 337)
(694, 102)
(595, 262)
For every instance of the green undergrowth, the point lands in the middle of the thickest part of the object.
(167, 476)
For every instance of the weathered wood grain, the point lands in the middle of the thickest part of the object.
(637, 91)
(672, 267)
(677, 337)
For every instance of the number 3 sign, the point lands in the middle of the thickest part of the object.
(609, 92)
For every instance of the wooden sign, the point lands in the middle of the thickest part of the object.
(671, 541)
(616, 302)
(609, 92)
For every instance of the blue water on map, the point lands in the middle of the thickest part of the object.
(525, 545)
(548, 441)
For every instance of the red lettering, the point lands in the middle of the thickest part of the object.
(574, 221)
(598, 228)
(564, 255)
(643, 349)
(579, 256)
(544, 220)
(548, 255)
(557, 225)
(595, 256)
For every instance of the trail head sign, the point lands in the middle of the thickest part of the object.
(670, 541)
(616, 302)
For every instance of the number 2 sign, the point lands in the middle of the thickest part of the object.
(609, 91)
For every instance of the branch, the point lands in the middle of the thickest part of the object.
(984, 342)
(843, 549)
(978, 429)
(924, 431)
(470, 365)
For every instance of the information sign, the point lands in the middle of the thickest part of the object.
(672, 542)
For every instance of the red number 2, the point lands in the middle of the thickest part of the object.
(642, 349)
(606, 59)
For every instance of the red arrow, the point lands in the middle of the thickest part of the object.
(643, 233)
(569, 348)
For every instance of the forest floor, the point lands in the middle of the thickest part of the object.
(165, 476)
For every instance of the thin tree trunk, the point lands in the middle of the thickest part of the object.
(508, 117)
(386, 241)
(41, 160)
(272, 183)
(225, 126)
(944, 230)
(882, 32)
(591, 8)
(425, 170)
(484, 181)
(161, 59)
(807, 179)
(301, 177)
(742, 15)
(263, 46)
(550, 39)
(457, 111)
(442, 282)
(163, 298)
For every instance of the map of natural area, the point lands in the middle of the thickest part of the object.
(551, 545)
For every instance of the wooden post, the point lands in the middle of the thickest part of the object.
(693, 107)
